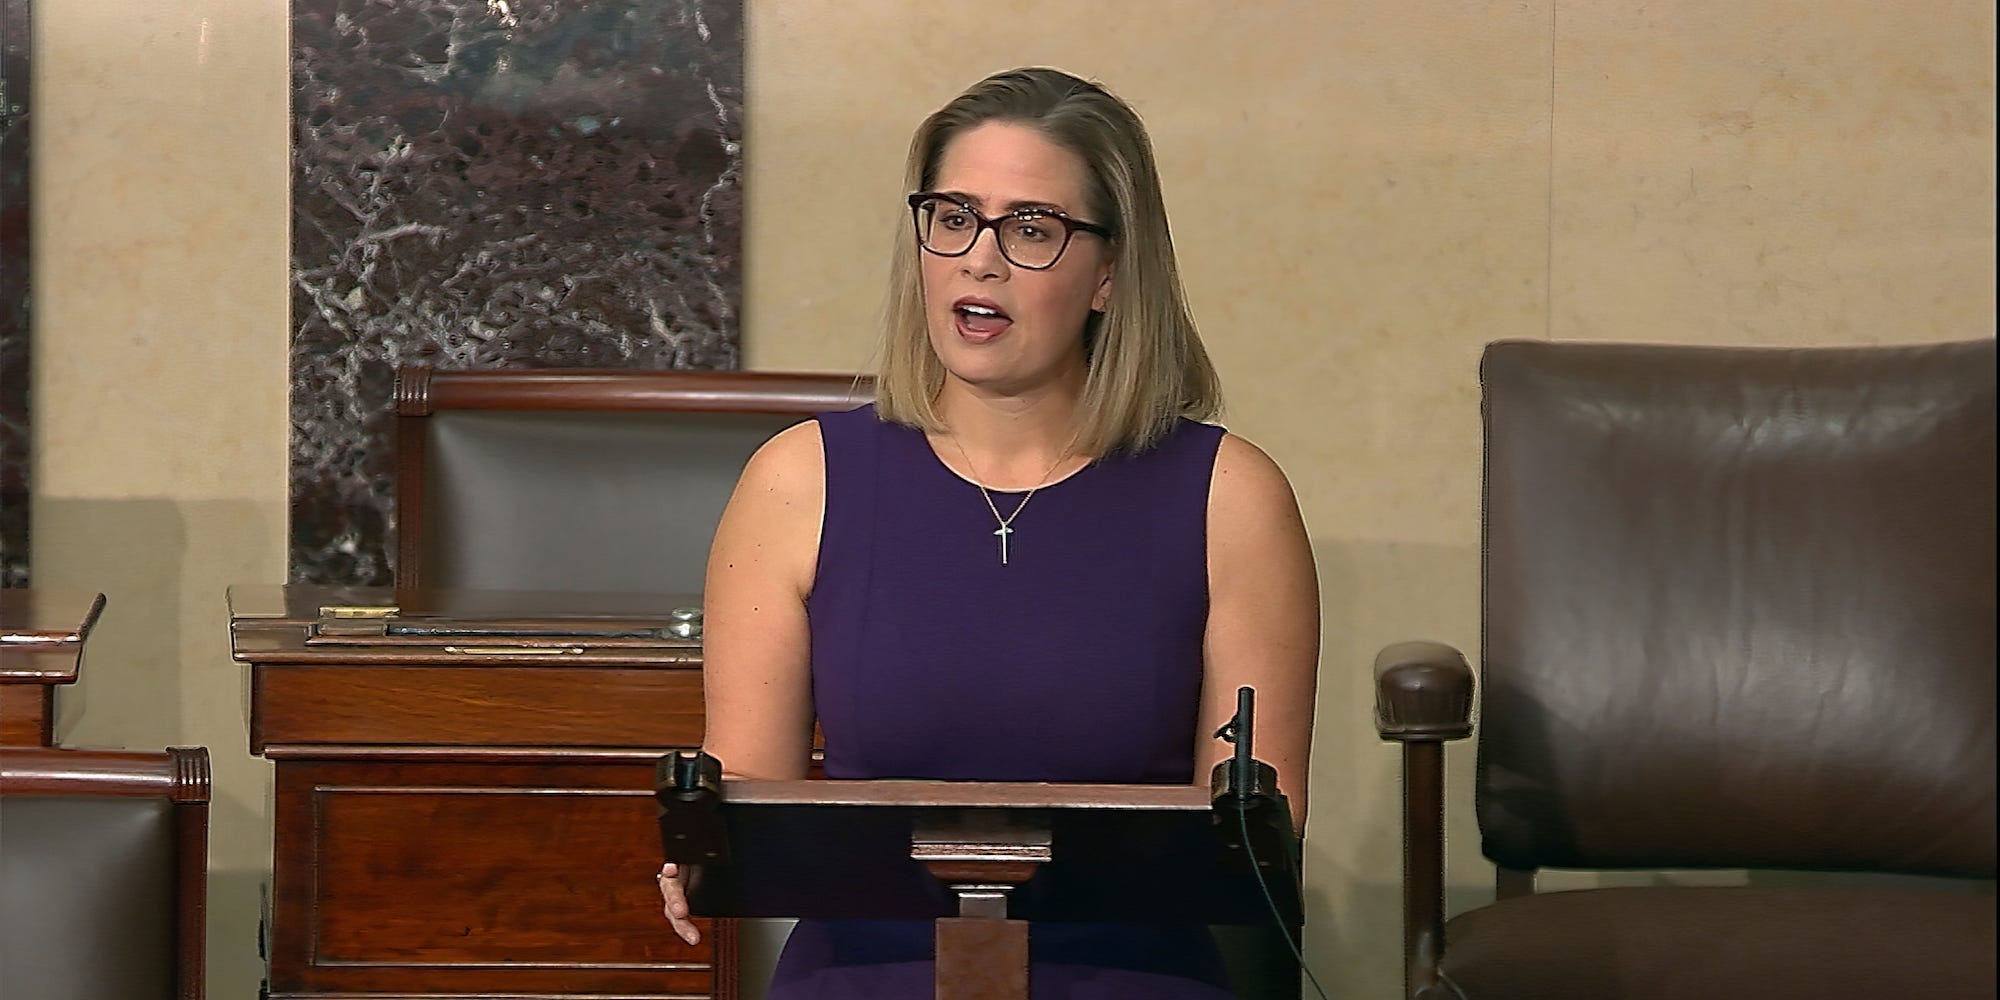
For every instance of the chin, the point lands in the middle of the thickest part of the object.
(973, 370)
(959, 356)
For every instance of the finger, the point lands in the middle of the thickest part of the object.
(683, 925)
(675, 906)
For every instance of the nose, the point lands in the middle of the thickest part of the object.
(984, 259)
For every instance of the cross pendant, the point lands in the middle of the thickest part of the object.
(1003, 532)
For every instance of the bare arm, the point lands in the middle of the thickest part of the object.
(1263, 618)
(756, 650)
(756, 680)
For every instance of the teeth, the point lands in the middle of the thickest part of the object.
(978, 310)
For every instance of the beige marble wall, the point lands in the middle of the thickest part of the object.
(160, 241)
(1362, 195)
(1820, 171)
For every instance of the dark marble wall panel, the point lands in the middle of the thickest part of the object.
(496, 183)
(14, 355)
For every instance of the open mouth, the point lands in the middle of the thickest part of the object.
(979, 318)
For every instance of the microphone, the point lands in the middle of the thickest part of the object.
(1254, 822)
(1244, 773)
(1243, 777)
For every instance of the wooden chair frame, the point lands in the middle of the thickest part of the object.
(178, 774)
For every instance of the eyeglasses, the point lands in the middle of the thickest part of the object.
(1034, 238)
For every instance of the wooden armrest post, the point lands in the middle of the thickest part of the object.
(191, 793)
(1423, 864)
(1423, 700)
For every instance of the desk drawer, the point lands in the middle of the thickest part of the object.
(475, 706)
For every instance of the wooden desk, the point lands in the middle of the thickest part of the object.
(42, 633)
(460, 820)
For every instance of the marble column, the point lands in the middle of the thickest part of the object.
(496, 183)
(14, 331)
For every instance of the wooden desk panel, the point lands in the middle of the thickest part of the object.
(474, 880)
(450, 826)
(27, 715)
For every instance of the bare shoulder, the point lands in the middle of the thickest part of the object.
(788, 471)
(770, 528)
(795, 453)
(1247, 483)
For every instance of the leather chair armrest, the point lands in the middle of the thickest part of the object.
(1423, 691)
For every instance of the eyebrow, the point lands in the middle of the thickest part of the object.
(1010, 207)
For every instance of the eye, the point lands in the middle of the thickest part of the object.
(953, 219)
(1033, 228)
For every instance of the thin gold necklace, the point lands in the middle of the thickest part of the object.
(1006, 523)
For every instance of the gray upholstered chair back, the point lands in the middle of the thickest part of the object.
(581, 480)
(1739, 608)
(580, 501)
(103, 873)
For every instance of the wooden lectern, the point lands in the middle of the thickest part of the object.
(462, 801)
(982, 859)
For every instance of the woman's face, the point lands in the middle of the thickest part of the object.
(994, 324)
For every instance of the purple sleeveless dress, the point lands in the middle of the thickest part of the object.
(1079, 660)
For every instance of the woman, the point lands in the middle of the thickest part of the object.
(1027, 560)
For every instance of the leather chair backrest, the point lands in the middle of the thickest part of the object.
(100, 854)
(557, 479)
(86, 897)
(1739, 608)
(580, 501)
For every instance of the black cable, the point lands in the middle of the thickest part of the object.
(1285, 932)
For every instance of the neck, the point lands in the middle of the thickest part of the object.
(1013, 442)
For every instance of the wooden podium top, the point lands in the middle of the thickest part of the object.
(472, 675)
(301, 602)
(42, 633)
(30, 616)
(308, 624)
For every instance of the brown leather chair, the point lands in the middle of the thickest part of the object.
(103, 873)
(1738, 613)
(577, 479)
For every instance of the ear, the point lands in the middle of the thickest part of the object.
(1102, 297)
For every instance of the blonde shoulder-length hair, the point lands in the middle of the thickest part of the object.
(1147, 367)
